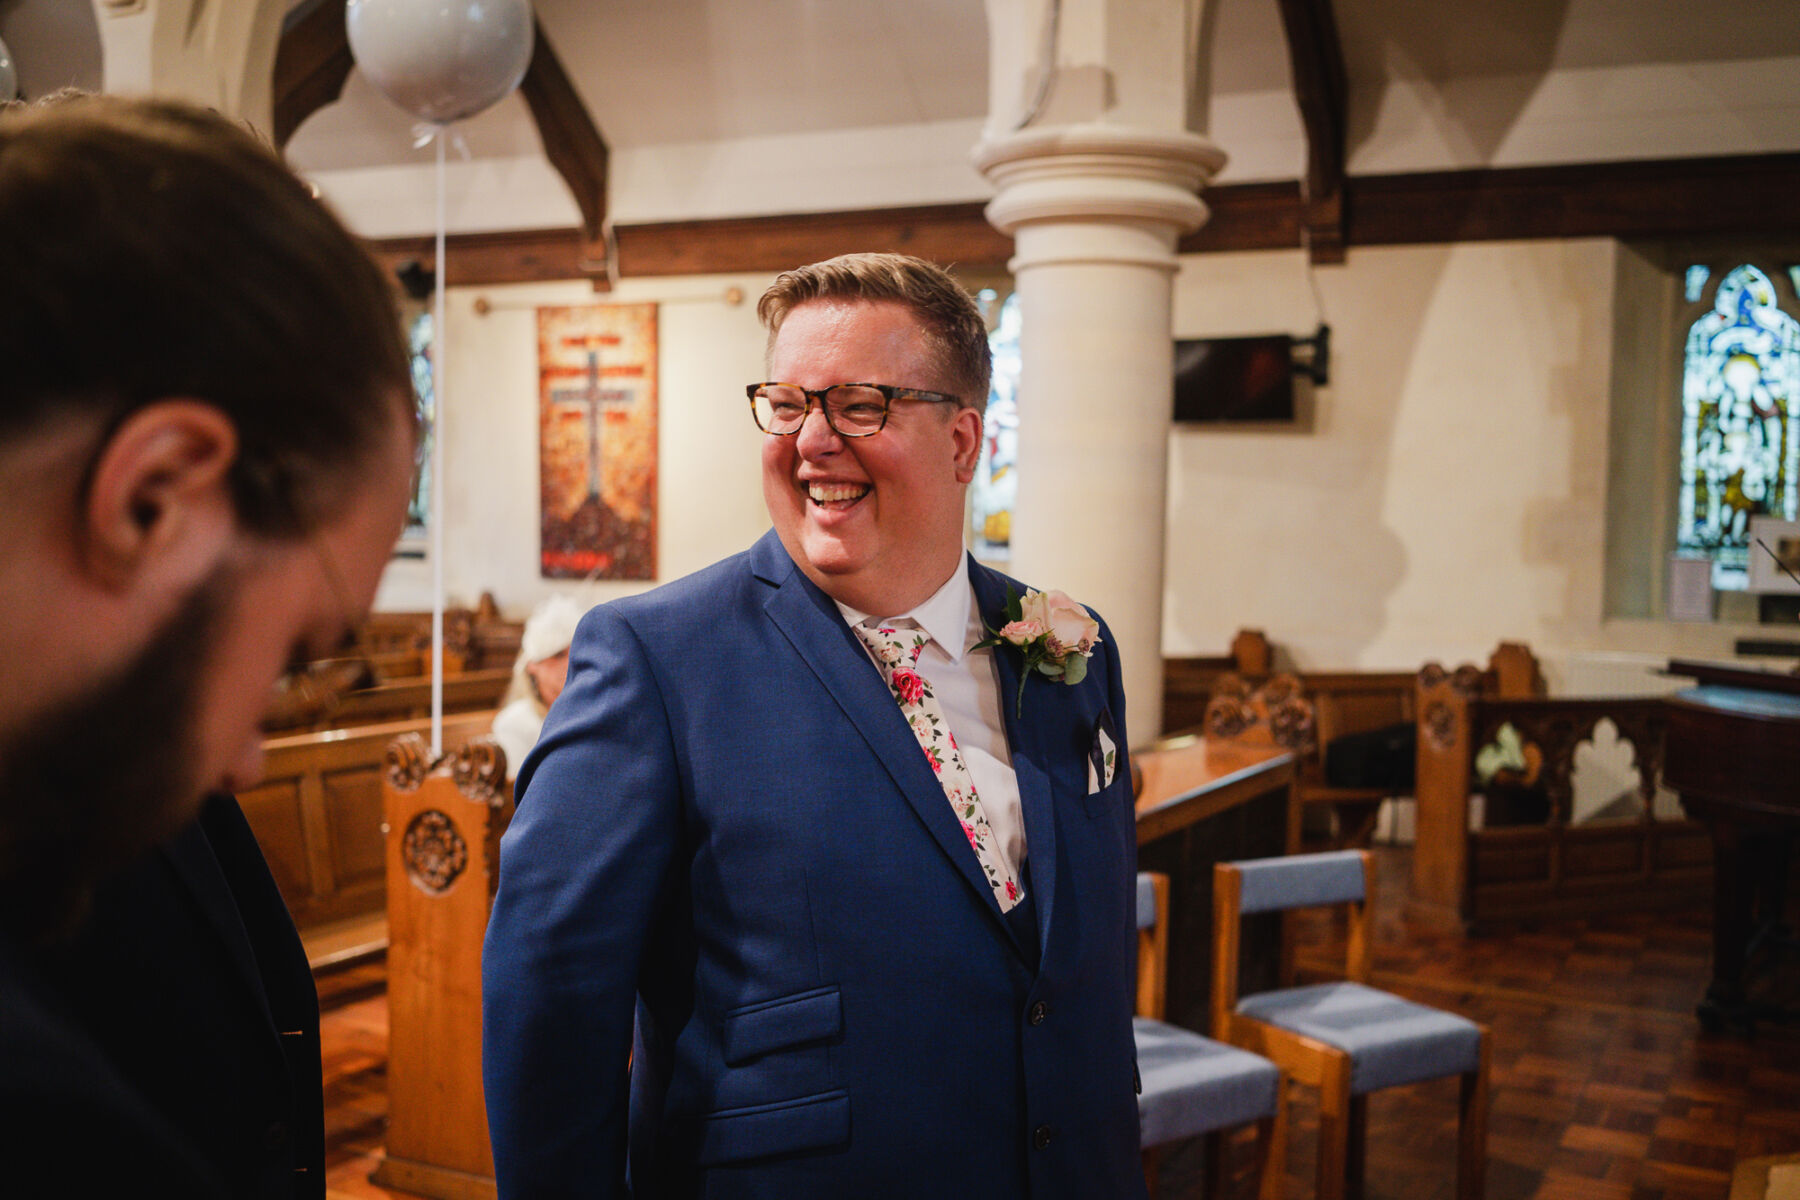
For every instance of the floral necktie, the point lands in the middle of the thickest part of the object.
(896, 652)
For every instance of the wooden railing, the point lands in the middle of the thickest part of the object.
(1527, 852)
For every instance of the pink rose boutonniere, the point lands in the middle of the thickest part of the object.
(1055, 635)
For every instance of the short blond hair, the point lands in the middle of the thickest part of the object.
(947, 314)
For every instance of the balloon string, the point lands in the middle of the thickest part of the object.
(438, 343)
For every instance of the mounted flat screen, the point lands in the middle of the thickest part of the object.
(1235, 379)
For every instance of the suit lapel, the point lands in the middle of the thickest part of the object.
(815, 629)
(1026, 736)
(191, 855)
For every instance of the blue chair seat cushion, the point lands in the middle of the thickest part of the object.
(1194, 1085)
(1390, 1041)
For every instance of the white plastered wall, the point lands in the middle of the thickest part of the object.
(709, 489)
(1447, 488)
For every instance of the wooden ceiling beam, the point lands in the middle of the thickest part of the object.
(1670, 199)
(571, 142)
(312, 60)
(1322, 92)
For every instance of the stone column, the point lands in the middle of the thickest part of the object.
(1096, 175)
(218, 54)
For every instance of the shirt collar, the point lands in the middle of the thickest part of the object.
(945, 616)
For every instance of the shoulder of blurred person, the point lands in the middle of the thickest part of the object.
(191, 977)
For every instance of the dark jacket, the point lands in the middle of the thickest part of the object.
(70, 1125)
(191, 979)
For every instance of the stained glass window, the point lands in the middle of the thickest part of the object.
(1740, 431)
(419, 347)
(1697, 276)
(996, 475)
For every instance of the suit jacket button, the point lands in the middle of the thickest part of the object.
(1040, 1137)
(1039, 1011)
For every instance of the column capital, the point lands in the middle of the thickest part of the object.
(1098, 172)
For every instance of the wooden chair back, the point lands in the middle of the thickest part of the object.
(1153, 946)
(1228, 914)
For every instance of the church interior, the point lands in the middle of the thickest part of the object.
(1447, 599)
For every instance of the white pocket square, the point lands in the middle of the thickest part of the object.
(1103, 759)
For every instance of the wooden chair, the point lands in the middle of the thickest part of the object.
(1344, 1038)
(1192, 1086)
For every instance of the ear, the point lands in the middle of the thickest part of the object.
(965, 434)
(158, 502)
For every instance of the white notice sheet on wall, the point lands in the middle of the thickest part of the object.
(1690, 588)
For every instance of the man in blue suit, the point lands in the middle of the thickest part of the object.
(866, 899)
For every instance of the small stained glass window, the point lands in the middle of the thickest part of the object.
(419, 348)
(996, 484)
(1740, 432)
(1697, 276)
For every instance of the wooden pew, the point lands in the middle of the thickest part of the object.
(474, 638)
(1306, 712)
(1539, 862)
(317, 815)
(1188, 683)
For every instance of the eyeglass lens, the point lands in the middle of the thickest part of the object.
(849, 409)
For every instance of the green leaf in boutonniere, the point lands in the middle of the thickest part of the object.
(1053, 635)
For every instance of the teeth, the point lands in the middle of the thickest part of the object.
(825, 493)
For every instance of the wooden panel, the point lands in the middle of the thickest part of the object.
(353, 814)
(1620, 851)
(273, 810)
(1502, 857)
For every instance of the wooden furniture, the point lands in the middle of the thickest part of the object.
(1732, 750)
(1197, 804)
(1190, 1085)
(442, 862)
(385, 674)
(474, 638)
(317, 814)
(1539, 861)
(1344, 1038)
(1188, 682)
(1304, 714)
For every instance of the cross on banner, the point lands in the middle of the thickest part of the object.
(595, 399)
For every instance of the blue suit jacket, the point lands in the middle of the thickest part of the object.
(728, 831)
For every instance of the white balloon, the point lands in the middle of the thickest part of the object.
(441, 60)
(9, 75)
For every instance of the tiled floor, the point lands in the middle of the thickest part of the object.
(1604, 1086)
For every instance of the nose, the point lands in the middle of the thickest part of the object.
(817, 438)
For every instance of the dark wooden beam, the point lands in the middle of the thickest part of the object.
(1670, 199)
(1248, 216)
(312, 60)
(953, 234)
(571, 141)
(1321, 91)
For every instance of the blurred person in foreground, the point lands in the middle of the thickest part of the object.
(821, 824)
(206, 443)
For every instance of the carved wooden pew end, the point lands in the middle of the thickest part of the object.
(444, 822)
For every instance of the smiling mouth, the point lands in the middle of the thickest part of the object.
(836, 496)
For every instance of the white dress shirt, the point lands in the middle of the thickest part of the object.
(967, 686)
